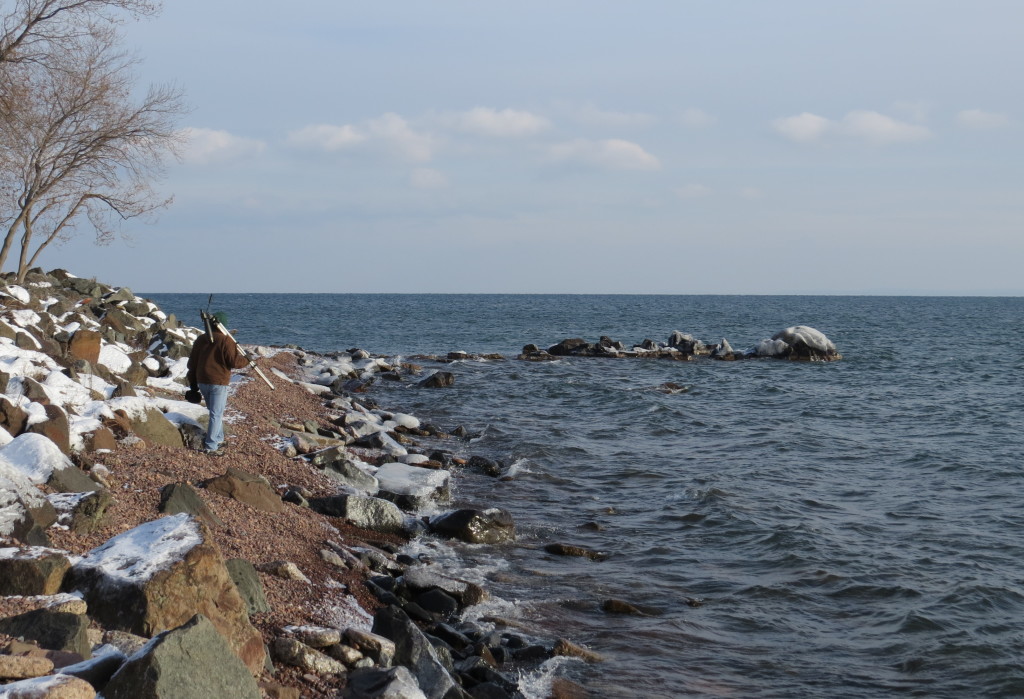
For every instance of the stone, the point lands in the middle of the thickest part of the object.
(375, 683)
(491, 526)
(489, 467)
(438, 602)
(617, 606)
(12, 417)
(178, 498)
(411, 487)
(50, 687)
(570, 650)
(183, 574)
(85, 344)
(414, 651)
(20, 667)
(243, 573)
(346, 654)
(576, 551)
(381, 649)
(427, 577)
(191, 660)
(89, 512)
(273, 690)
(286, 570)
(315, 636)
(347, 473)
(370, 513)
(248, 488)
(55, 427)
(32, 572)
(439, 379)
(298, 654)
(127, 643)
(51, 630)
(98, 670)
(154, 428)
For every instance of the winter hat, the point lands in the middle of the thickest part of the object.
(221, 318)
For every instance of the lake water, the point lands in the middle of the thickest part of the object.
(851, 529)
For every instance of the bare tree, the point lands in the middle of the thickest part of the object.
(31, 31)
(77, 147)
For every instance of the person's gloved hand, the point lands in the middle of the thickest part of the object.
(193, 395)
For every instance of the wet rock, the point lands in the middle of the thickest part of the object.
(191, 660)
(424, 577)
(374, 683)
(577, 551)
(488, 467)
(414, 651)
(616, 606)
(569, 649)
(32, 572)
(799, 342)
(440, 379)
(411, 487)
(491, 526)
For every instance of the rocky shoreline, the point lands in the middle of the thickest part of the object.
(135, 566)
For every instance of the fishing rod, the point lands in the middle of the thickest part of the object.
(211, 323)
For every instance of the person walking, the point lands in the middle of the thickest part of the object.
(209, 372)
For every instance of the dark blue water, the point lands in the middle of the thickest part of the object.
(853, 529)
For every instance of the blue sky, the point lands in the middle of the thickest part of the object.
(585, 146)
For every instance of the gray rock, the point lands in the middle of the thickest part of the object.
(492, 526)
(381, 649)
(439, 379)
(51, 630)
(366, 512)
(192, 660)
(346, 472)
(414, 651)
(33, 572)
(374, 683)
(423, 578)
(298, 654)
(176, 498)
(248, 583)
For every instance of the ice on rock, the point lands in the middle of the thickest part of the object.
(139, 553)
(34, 456)
(770, 348)
(18, 292)
(813, 338)
(115, 358)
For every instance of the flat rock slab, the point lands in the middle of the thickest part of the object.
(248, 488)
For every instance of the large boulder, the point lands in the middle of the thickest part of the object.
(192, 660)
(378, 683)
(157, 576)
(85, 344)
(412, 487)
(374, 514)
(799, 342)
(52, 630)
(24, 512)
(245, 487)
(414, 651)
(424, 578)
(32, 571)
(154, 428)
(491, 526)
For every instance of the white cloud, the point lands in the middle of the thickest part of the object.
(592, 115)
(613, 154)
(327, 137)
(388, 132)
(868, 126)
(428, 178)
(213, 146)
(979, 120)
(694, 191)
(696, 118)
(505, 123)
(803, 128)
(879, 129)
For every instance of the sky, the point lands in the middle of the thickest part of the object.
(583, 146)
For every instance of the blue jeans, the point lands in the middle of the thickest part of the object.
(216, 398)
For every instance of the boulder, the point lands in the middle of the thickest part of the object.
(491, 526)
(12, 417)
(51, 630)
(32, 571)
(570, 347)
(57, 686)
(414, 651)
(177, 498)
(372, 645)
(245, 487)
(412, 487)
(85, 344)
(439, 379)
(24, 512)
(97, 671)
(376, 683)
(192, 660)
(298, 654)
(243, 573)
(799, 342)
(347, 473)
(181, 573)
(20, 667)
(423, 578)
(370, 513)
(154, 428)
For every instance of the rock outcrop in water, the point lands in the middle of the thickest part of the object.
(799, 342)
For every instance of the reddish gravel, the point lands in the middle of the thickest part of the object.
(297, 535)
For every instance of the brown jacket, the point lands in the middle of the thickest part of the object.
(212, 362)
